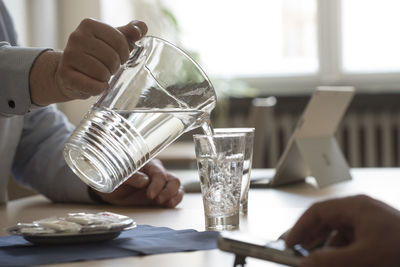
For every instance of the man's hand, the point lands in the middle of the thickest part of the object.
(355, 231)
(151, 186)
(94, 52)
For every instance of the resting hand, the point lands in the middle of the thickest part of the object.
(94, 52)
(356, 231)
(151, 186)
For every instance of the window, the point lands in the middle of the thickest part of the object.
(249, 38)
(284, 46)
(371, 42)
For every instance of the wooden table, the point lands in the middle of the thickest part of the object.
(271, 212)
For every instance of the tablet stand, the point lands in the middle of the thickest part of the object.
(312, 149)
(240, 261)
(317, 156)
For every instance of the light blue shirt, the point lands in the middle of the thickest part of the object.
(31, 140)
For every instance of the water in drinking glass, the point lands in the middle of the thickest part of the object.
(220, 165)
(248, 156)
(220, 185)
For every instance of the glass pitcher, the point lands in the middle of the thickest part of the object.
(157, 95)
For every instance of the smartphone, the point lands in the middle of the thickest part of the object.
(243, 244)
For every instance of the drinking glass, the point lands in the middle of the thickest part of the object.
(157, 95)
(220, 165)
(248, 159)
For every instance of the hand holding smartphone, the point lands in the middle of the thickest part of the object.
(244, 245)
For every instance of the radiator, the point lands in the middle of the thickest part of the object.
(367, 139)
(369, 133)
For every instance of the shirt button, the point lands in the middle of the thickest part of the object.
(11, 103)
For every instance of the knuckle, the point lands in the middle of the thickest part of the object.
(149, 165)
(162, 176)
(176, 182)
(141, 176)
(364, 203)
(71, 59)
(75, 37)
(362, 198)
(156, 162)
(86, 22)
(175, 201)
(315, 206)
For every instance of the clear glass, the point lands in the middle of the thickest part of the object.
(371, 45)
(220, 164)
(270, 38)
(247, 162)
(158, 94)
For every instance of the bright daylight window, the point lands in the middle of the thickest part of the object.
(281, 45)
(249, 38)
(370, 33)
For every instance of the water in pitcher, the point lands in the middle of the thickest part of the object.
(116, 143)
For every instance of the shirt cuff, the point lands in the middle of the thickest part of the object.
(15, 66)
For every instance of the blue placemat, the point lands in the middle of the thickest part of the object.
(142, 240)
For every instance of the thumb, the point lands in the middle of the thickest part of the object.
(333, 257)
(133, 31)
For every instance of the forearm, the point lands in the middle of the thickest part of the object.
(94, 52)
(39, 162)
(42, 79)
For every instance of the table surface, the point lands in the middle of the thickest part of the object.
(271, 212)
(179, 153)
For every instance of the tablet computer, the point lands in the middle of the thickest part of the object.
(312, 149)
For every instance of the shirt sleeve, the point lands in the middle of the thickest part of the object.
(39, 162)
(15, 66)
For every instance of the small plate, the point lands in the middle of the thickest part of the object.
(88, 235)
(76, 238)
(70, 239)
